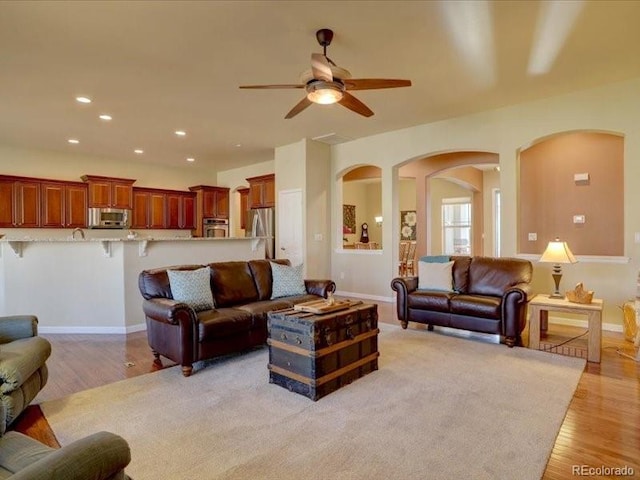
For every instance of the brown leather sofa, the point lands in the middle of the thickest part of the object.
(241, 292)
(490, 296)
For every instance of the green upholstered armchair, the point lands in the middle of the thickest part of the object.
(23, 372)
(101, 456)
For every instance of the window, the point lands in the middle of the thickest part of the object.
(456, 226)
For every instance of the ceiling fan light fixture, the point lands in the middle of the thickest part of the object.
(324, 94)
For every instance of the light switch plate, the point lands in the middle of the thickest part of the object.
(533, 237)
(579, 219)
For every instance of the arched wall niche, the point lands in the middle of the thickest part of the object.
(474, 170)
(361, 188)
(571, 186)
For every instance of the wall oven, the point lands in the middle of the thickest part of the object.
(215, 227)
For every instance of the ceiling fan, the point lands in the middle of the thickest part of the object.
(326, 83)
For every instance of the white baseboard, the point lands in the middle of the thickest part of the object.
(93, 330)
(377, 298)
(610, 327)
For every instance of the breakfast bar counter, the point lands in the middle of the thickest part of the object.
(91, 285)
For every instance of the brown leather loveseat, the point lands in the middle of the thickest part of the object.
(489, 295)
(242, 293)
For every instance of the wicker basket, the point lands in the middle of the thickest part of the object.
(630, 324)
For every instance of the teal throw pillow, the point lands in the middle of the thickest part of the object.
(435, 258)
(192, 287)
(287, 281)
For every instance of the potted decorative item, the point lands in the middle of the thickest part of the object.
(580, 295)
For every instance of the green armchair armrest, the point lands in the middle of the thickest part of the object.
(101, 456)
(16, 327)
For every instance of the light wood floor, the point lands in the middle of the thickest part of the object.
(601, 428)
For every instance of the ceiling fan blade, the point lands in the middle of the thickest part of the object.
(352, 103)
(300, 106)
(374, 83)
(320, 67)
(273, 86)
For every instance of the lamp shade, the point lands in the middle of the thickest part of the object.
(557, 252)
(324, 93)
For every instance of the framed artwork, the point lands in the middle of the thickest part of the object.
(408, 221)
(348, 219)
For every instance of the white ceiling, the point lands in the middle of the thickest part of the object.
(159, 66)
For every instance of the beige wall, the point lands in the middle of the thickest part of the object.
(306, 165)
(455, 165)
(407, 194)
(491, 183)
(70, 167)
(234, 179)
(614, 108)
(549, 196)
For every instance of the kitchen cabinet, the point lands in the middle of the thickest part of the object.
(211, 202)
(216, 203)
(19, 202)
(155, 208)
(262, 191)
(181, 210)
(108, 192)
(148, 208)
(244, 206)
(64, 204)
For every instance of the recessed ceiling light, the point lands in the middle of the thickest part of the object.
(105, 117)
(73, 140)
(180, 133)
(191, 159)
(83, 99)
(139, 151)
(238, 145)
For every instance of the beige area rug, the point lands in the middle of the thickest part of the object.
(439, 407)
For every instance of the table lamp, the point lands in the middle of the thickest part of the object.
(557, 252)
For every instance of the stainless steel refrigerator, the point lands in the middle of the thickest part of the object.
(261, 223)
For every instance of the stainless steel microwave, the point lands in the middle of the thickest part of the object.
(109, 218)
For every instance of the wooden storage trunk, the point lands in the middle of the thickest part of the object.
(314, 355)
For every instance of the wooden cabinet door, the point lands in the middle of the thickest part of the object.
(157, 210)
(140, 212)
(262, 191)
(244, 206)
(75, 210)
(208, 204)
(6, 203)
(256, 195)
(188, 212)
(64, 205)
(269, 192)
(174, 207)
(27, 204)
(222, 204)
(53, 204)
(121, 195)
(100, 193)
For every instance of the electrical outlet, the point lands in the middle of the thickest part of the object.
(579, 219)
(533, 237)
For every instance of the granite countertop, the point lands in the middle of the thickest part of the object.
(136, 239)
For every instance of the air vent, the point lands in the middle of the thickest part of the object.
(331, 139)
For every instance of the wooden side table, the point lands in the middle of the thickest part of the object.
(541, 305)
